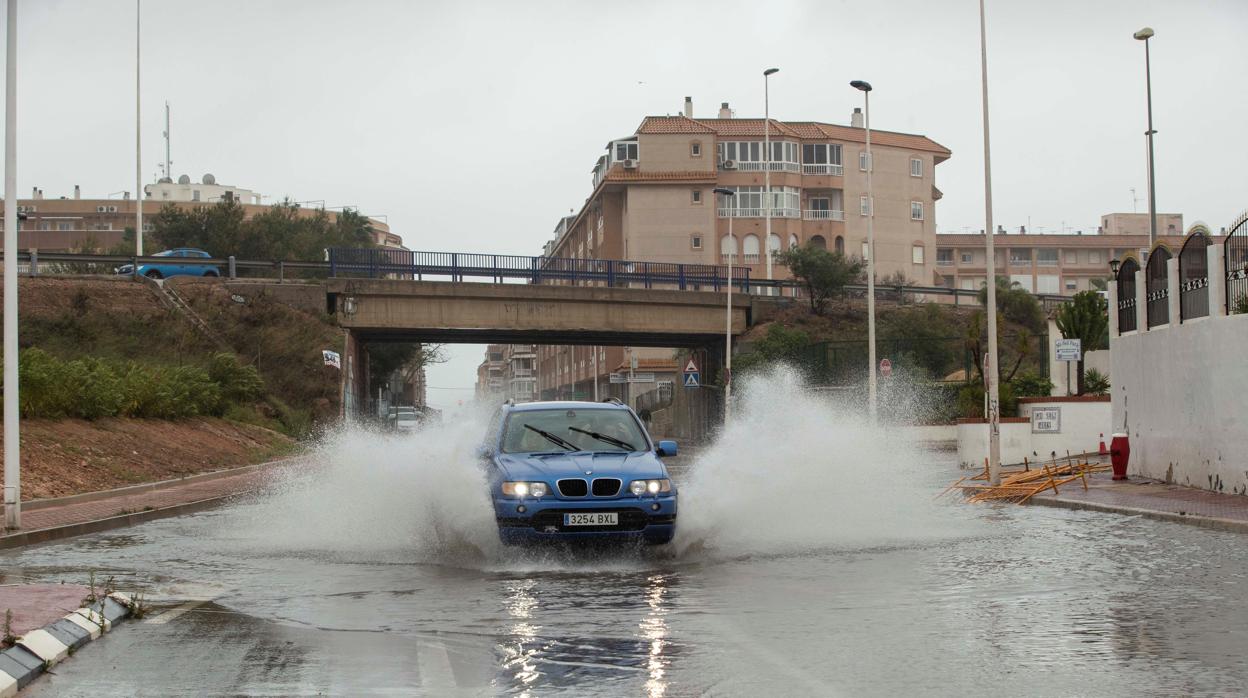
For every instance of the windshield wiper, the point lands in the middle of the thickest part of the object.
(552, 438)
(604, 438)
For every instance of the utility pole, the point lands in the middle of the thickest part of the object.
(12, 437)
(168, 149)
(767, 166)
(1144, 35)
(138, 134)
(994, 389)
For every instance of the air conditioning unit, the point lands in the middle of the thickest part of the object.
(101, 209)
(728, 165)
(112, 209)
(630, 164)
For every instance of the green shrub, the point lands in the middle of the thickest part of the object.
(971, 400)
(43, 392)
(1030, 384)
(1241, 305)
(1095, 382)
(238, 383)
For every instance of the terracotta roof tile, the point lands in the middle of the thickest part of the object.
(619, 174)
(672, 124)
(748, 127)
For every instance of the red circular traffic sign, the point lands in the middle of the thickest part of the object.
(886, 368)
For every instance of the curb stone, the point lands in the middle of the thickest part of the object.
(38, 650)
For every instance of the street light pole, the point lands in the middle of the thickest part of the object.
(1144, 35)
(138, 137)
(767, 165)
(994, 390)
(12, 439)
(872, 385)
(731, 196)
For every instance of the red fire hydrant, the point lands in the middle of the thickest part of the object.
(1119, 454)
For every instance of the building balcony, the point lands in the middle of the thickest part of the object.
(1047, 263)
(758, 213)
(824, 169)
(745, 166)
(521, 373)
(944, 262)
(823, 215)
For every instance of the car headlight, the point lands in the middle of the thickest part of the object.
(640, 487)
(525, 489)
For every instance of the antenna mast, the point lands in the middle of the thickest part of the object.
(1135, 201)
(168, 161)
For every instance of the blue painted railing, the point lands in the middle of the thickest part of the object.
(458, 266)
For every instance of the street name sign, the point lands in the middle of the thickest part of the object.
(1046, 420)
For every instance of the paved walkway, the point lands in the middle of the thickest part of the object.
(1141, 496)
(99, 511)
(36, 605)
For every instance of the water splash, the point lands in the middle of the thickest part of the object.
(798, 470)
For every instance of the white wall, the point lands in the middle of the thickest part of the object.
(1100, 360)
(1180, 391)
(973, 443)
(1082, 423)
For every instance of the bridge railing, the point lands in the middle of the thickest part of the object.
(460, 266)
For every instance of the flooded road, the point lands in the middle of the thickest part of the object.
(812, 566)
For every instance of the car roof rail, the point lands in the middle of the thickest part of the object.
(614, 401)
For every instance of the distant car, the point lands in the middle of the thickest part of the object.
(174, 267)
(578, 471)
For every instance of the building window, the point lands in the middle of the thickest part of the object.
(773, 243)
(818, 242)
(916, 210)
(839, 244)
(864, 206)
(695, 149)
(866, 251)
(696, 196)
(44, 225)
(1071, 285)
(696, 242)
(916, 167)
(748, 202)
(750, 154)
(626, 151)
(1020, 257)
(1094, 256)
(194, 195)
(916, 254)
(1072, 256)
(821, 154)
(968, 257)
(1046, 258)
(944, 258)
(64, 226)
(750, 249)
(862, 161)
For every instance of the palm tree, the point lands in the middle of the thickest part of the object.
(1085, 318)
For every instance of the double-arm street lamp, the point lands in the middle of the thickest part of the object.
(865, 87)
(730, 196)
(1144, 35)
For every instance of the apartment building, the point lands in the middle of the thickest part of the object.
(508, 372)
(1051, 263)
(61, 224)
(652, 200)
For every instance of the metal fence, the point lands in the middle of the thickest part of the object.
(459, 266)
(1194, 277)
(1128, 320)
(1157, 287)
(1235, 254)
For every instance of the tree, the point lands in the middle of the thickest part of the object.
(1085, 318)
(822, 273)
(1016, 304)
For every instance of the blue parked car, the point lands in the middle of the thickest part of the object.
(174, 267)
(578, 471)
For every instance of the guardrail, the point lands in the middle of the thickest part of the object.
(460, 266)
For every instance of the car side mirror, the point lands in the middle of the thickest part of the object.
(666, 448)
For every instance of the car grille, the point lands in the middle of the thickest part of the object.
(606, 487)
(630, 520)
(573, 488)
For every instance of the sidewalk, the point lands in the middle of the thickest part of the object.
(1143, 497)
(45, 520)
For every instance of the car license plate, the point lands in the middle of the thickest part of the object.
(599, 518)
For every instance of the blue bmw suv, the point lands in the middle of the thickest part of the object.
(578, 471)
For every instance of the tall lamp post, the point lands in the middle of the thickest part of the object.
(731, 196)
(994, 389)
(865, 87)
(1144, 35)
(138, 138)
(767, 163)
(12, 442)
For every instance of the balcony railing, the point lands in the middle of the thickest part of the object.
(758, 213)
(823, 169)
(823, 215)
(1046, 262)
(749, 166)
(944, 262)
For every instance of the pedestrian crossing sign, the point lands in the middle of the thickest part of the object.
(691, 380)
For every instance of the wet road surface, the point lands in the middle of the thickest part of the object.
(379, 574)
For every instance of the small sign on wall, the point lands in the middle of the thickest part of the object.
(1046, 420)
(1068, 349)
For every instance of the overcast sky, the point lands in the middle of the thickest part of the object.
(473, 125)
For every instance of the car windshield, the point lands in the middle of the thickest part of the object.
(166, 253)
(591, 429)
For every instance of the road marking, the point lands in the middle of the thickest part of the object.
(434, 663)
(176, 611)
